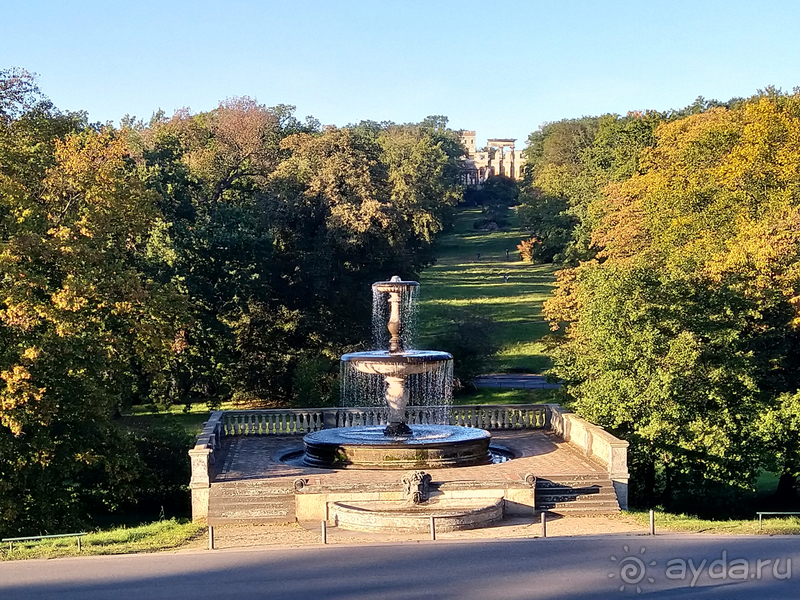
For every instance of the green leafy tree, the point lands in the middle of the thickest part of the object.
(681, 337)
(77, 311)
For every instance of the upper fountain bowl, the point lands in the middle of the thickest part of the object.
(382, 362)
(394, 286)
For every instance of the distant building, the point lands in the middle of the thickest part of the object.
(498, 158)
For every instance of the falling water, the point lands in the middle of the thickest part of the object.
(380, 317)
(433, 387)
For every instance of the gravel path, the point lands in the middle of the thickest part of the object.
(308, 534)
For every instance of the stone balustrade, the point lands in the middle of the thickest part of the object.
(289, 421)
(280, 421)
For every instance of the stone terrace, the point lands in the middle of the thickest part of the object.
(541, 453)
(238, 475)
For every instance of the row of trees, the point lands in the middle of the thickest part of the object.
(569, 163)
(224, 254)
(680, 300)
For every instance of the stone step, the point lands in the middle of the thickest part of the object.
(252, 501)
(583, 505)
(576, 512)
(225, 491)
(573, 481)
(579, 489)
(267, 513)
(608, 496)
(242, 520)
(251, 511)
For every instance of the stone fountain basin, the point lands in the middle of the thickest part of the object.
(429, 446)
(450, 514)
(383, 362)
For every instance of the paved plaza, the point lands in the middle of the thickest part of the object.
(538, 452)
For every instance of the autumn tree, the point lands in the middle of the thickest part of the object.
(77, 313)
(681, 337)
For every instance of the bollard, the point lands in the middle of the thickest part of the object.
(324, 528)
(79, 543)
(652, 522)
(433, 529)
(544, 524)
(210, 537)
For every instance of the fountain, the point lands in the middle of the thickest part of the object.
(390, 376)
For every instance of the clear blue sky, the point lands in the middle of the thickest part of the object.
(502, 68)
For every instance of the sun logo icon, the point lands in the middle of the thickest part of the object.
(632, 570)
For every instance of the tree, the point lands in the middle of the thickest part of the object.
(18, 93)
(682, 336)
(77, 312)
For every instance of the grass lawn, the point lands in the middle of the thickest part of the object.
(153, 537)
(460, 280)
(143, 417)
(507, 396)
(688, 524)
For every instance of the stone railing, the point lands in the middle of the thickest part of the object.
(596, 443)
(203, 457)
(501, 416)
(288, 421)
(280, 421)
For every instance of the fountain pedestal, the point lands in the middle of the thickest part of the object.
(396, 399)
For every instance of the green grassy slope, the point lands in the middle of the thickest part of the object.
(461, 280)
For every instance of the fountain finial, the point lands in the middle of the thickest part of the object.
(395, 287)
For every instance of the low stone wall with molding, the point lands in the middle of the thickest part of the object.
(596, 443)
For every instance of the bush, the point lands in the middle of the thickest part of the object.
(468, 337)
(163, 485)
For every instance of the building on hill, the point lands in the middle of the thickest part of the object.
(499, 157)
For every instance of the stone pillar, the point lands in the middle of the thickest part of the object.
(202, 461)
(618, 471)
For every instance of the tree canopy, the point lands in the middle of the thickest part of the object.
(682, 328)
(216, 255)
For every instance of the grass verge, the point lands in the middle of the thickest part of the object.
(689, 524)
(154, 537)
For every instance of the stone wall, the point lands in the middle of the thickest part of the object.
(596, 443)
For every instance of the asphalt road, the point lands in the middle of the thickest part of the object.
(557, 568)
